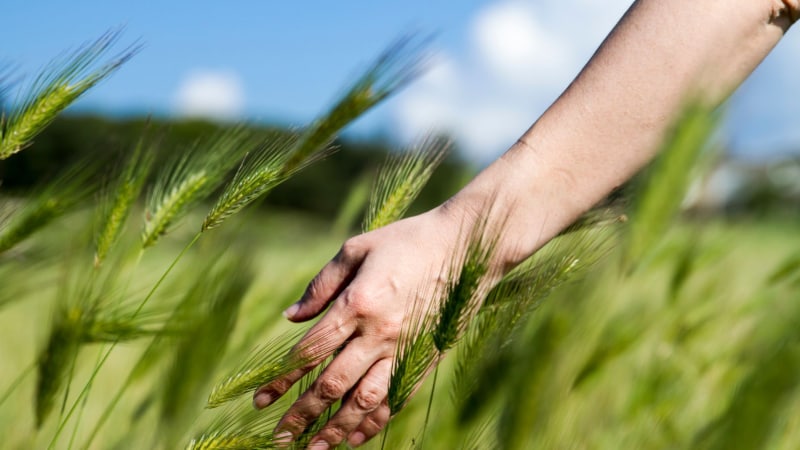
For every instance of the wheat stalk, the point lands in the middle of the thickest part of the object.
(268, 363)
(189, 179)
(393, 69)
(239, 428)
(54, 89)
(128, 187)
(58, 197)
(400, 181)
(258, 174)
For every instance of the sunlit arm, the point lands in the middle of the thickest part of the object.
(612, 118)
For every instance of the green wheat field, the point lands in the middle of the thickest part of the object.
(142, 311)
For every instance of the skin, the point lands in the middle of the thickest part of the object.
(606, 125)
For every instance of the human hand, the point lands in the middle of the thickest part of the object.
(372, 285)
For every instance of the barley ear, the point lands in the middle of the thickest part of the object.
(115, 212)
(268, 363)
(466, 286)
(190, 178)
(54, 200)
(393, 69)
(55, 359)
(414, 356)
(58, 86)
(400, 181)
(239, 427)
(260, 171)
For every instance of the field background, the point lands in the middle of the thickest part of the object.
(697, 346)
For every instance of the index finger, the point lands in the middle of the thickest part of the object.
(329, 282)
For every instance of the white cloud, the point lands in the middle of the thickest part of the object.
(210, 93)
(517, 48)
(522, 55)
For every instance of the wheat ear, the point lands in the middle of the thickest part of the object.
(511, 302)
(57, 198)
(261, 171)
(190, 178)
(268, 363)
(54, 89)
(239, 427)
(400, 181)
(127, 190)
(393, 69)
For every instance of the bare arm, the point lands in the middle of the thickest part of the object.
(612, 118)
(603, 128)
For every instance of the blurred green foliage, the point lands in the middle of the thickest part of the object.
(320, 188)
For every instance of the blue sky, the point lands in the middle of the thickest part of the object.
(499, 63)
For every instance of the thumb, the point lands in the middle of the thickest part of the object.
(328, 283)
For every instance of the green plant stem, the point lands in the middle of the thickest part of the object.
(428, 410)
(111, 347)
(125, 288)
(107, 412)
(385, 435)
(15, 384)
(83, 408)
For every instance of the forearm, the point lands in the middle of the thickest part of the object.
(613, 117)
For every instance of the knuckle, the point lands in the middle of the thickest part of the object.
(351, 248)
(293, 422)
(333, 434)
(278, 387)
(367, 399)
(392, 328)
(359, 300)
(372, 424)
(330, 388)
(304, 353)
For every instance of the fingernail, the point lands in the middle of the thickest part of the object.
(291, 311)
(283, 438)
(357, 438)
(318, 444)
(262, 400)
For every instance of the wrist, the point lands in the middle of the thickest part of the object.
(521, 198)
